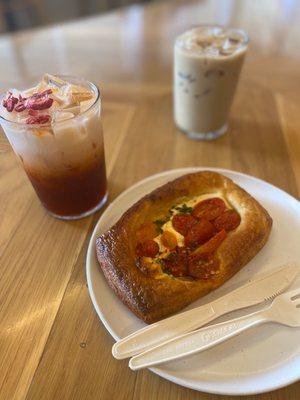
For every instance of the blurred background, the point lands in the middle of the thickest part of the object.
(131, 41)
(23, 14)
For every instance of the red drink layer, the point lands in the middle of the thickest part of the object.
(72, 192)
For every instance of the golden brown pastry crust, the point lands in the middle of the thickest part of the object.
(153, 298)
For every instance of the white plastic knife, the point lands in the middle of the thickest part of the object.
(260, 289)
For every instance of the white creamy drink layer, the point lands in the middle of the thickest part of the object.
(53, 124)
(207, 64)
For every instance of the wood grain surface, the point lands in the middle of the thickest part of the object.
(52, 344)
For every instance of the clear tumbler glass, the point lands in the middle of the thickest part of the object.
(64, 160)
(207, 65)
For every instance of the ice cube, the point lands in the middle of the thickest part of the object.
(49, 79)
(235, 41)
(61, 116)
(86, 104)
(228, 47)
(29, 92)
(230, 44)
(212, 51)
(41, 86)
(215, 31)
(74, 109)
(74, 94)
(226, 44)
(80, 93)
(57, 96)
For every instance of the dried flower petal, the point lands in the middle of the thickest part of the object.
(39, 103)
(33, 113)
(40, 119)
(20, 107)
(41, 94)
(21, 98)
(10, 103)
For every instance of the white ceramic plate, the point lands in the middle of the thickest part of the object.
(262, 359)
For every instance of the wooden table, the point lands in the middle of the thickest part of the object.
(52, 344)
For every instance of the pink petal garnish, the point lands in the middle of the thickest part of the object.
(40, 103)
(42, 94)
(45, 94)
(21, 98)
(40, 119)
(9, 105)
(33, 113)
(10, 102)
(20, 107)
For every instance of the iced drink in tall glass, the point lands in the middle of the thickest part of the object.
(207, 65)
(55, 129)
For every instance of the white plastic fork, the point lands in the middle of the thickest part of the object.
(285, 310)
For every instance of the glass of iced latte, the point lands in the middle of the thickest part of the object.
(55, 129)
(207, 65)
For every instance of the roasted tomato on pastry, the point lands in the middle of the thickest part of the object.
(181, 241)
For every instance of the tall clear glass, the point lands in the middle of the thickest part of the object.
(207, 65)
(64, 160)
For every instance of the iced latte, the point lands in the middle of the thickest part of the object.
(55, 129)
(207, 64)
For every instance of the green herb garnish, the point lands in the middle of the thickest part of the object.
(172, 209)
(184, 209)
(160, 222)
